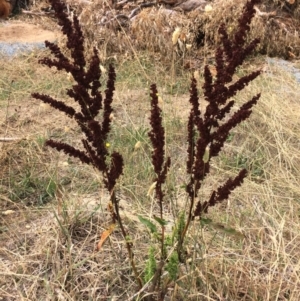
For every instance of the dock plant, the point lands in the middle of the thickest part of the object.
(207, 131)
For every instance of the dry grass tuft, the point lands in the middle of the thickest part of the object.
(113, 33)
(152, 29)
(278, 29)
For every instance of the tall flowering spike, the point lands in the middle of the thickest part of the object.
(191, 144)
(165, 170)
(157, 137)
(86, 93)
(207, 134)
(229, 56)
(201, 167)
(157, 133)
(98, 140)
(224, 191)
(56, 104)
(221, 194)
(60, 9)
(194, 100)
(244, 22)
(241, 83)
(115, 171)
(72, 31)
(93, 73)
(225, 41)
(194, 116)
(221, 134)
(208, 83)
(108, 101)
(69, 150)
(77, 47)
(225, 110)
(62, 62)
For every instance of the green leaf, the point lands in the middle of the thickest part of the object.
(220, 227)
(205, 221)
(172, 266)
(161, 221)
(148, 224)
(230, 231)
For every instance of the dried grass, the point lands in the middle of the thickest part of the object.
(48, 252)
(152, 29)
(278, 34)
(113, 33)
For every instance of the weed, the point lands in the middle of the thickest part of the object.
(41, 140)
(150, 265)
(207, 132)
(31, 189)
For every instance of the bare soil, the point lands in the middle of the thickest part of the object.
(24, 32)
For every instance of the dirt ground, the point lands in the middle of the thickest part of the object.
(23, 32)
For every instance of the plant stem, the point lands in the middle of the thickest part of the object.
(114, 201)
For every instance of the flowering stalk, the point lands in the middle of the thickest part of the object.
(86, 92)
(207, 132)
(161, 167)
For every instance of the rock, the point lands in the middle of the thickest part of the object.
(191, 5)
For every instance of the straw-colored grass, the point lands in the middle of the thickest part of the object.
(276, 24)
(53, 209)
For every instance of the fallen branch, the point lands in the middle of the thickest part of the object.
(10, 139)
(264, 14)
(117, 17)
(28, 12)
(139, 8)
